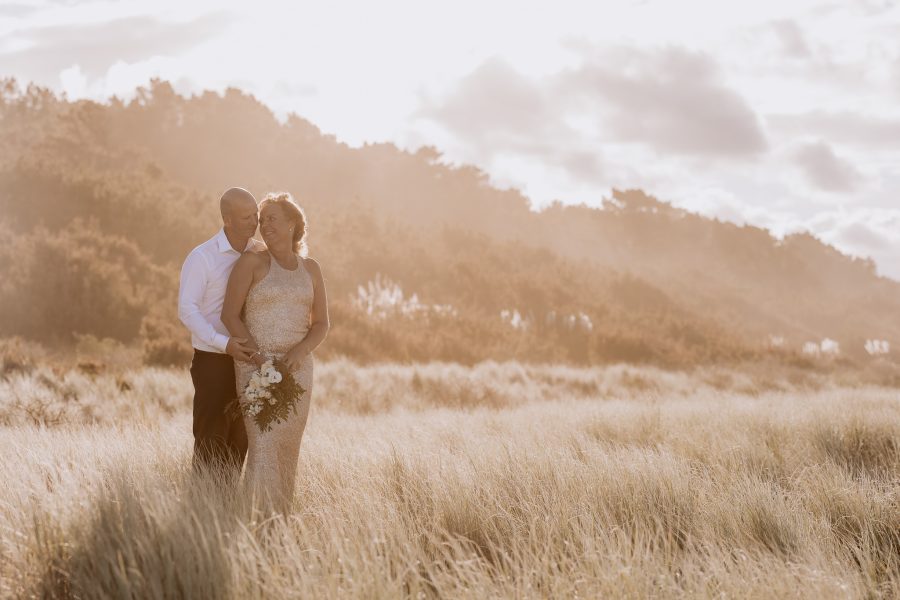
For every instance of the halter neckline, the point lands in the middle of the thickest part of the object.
(274, 260)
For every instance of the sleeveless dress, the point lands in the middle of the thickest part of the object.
(277, 314)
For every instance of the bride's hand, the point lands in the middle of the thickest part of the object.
(293, 358)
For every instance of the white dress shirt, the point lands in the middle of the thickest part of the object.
(201, 293)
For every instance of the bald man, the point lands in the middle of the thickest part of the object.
(218, 440)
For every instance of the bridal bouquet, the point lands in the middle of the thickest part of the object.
(270, 395)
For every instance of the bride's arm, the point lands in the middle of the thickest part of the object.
(239, 283)
(319, 320)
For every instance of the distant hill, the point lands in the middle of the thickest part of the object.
(101, 202)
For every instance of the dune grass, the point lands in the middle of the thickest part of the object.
(668, 487)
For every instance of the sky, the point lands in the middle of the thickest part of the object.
(783, 114)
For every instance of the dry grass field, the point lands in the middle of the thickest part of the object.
(497, 481)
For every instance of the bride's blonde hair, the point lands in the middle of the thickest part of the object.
(294, 213)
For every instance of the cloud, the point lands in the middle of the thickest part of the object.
(497, 110)
(496, 105)
(790, 36)
(844, 126)
(17, 11)
(582, 165)
(45, 51)
(874, 8)
(861, 235)
(896, 76)
(824, 169)
(830, 47)
(668, 100)
(672, 99)
(294, 88)
(122, 79)
(873, 233)
(74, 83)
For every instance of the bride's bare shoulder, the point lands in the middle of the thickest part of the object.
(312, 265)
(252, 259)
(256, 253)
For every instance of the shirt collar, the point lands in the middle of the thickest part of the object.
(222, 241)
(225, 246)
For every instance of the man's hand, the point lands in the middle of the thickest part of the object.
(257, 358)
(238, 348)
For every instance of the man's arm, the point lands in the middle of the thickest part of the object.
(194, 277)
(239, 282)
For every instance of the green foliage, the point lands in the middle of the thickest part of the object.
(77, 280)
(101, 203)
(285, 395)
(163, 341)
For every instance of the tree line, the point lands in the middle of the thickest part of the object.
(99, 204)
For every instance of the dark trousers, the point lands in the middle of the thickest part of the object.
(219, 440)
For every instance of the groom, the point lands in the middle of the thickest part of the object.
(218, 439)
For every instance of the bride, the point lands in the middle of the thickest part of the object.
(276, 299)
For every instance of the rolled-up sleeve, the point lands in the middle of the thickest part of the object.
(194, 275)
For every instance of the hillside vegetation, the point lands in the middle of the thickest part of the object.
(425, 260)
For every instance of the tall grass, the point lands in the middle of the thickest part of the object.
(639, 493)
(96, 393)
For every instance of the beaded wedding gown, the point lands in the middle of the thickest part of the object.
(277, 314)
